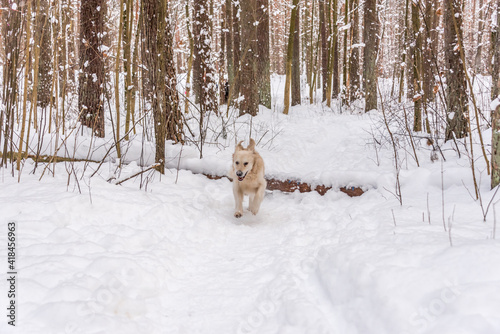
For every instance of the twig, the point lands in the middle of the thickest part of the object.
(137, 174)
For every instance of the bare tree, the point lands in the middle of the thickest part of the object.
(456, 94)
(159, 77)
(11, 24)
(91, 78)
(495, 83)
(324, 46)
(289, 55)
(370, 51)
(296, 61)
(248, 73)
(263, 56)
(354, 59)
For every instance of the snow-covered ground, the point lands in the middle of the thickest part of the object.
(165, 254)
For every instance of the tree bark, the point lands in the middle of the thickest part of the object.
(235, 87)
(42, 37)
(456, 94)
(429, 59)
(370, 52)
(159, 77)
(248, 73)
(324, 48)
(229, 43)
(203, 51)
(263, 53)
(495, 81)
(495, 145)
(296, 100)
(417, 68)
(289, 56)
(91, 78)
(354, 68)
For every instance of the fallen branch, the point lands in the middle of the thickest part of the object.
(138, 173)
(272, 184)
(293, 185)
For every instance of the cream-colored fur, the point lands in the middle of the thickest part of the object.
(247, 174)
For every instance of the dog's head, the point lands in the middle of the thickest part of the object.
(243, 159)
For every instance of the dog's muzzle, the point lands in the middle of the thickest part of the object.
(240, 175)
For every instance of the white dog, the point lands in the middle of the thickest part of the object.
(247, 174)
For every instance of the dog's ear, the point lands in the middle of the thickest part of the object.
(239, 147)
(251, 146)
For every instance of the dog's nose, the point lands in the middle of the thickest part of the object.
(239, 173)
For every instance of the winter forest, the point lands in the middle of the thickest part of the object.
(378, 122)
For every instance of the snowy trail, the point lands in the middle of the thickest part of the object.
(173, 259)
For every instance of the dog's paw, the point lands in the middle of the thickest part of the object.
(254, 210)
(237, 214)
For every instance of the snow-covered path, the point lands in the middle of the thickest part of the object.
(173, 259)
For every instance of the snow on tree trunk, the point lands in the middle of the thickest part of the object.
(248, 74)
(296, 62)
(354, 68)
(263, 59)
(91, 78)
(456, 93)
(495, 82)
(159, 77)
(370, 51)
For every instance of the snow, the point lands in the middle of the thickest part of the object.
(164, 254)
(495, 103)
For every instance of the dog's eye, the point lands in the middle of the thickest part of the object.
(246, 163)
(237, 162)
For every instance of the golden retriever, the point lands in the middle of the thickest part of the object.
(247, 173)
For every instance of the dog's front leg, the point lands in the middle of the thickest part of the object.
(257, 199)
(238, 199)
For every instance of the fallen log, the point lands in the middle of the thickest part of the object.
(290, 186)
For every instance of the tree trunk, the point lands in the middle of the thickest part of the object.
(354, 68)
(203, 51)
(159, 77)
(479, 43)
(42, 37)
(345, 81)
(332, 88)
(229, 43)
(495, 145)
(248, 73)
(456, 94)
(296, 100)
(91, 78)
(429, 59)
(263, 56)
(235, 87)
(324, 48)
(370, 52)
(289, 56)
(417, 68)
(495, 80)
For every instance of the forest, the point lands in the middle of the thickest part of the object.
(378, 122)
(115, 67)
